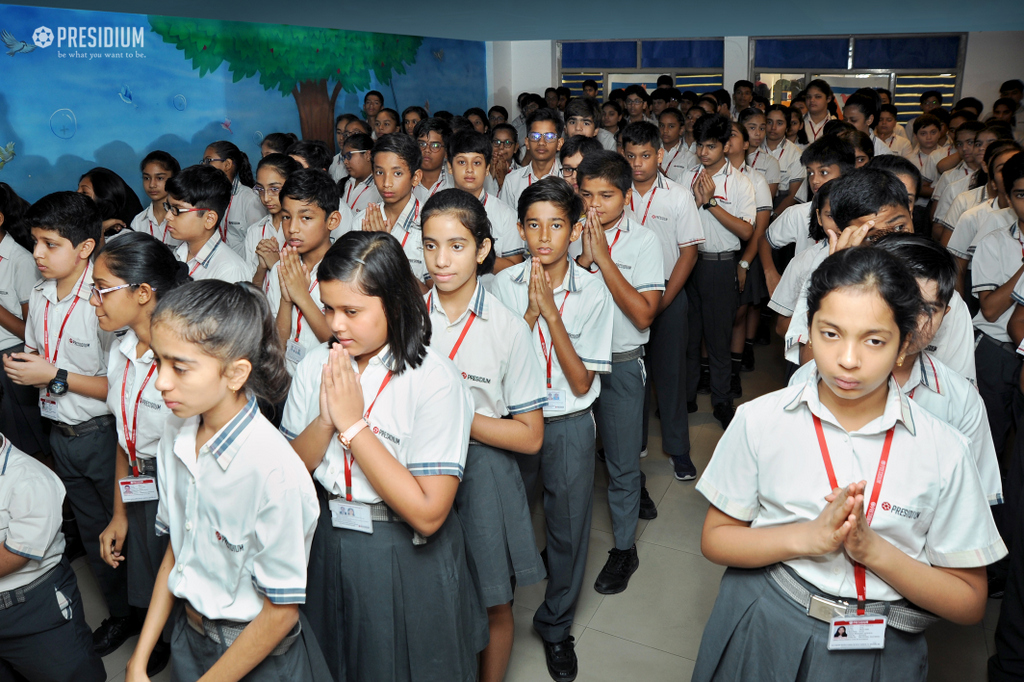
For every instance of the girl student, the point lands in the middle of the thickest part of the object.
(386, 122)
(264, 238)
(359, 190)
(129, 275)
(245, 208)
(787, 153)
(278, 143)
(755, 122)
(796, 133)
(391, 594)
(505, 376)
(239, 507)
(880, 510)
(117, 202)
(157, 168)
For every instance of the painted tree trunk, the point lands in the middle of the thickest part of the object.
(316, 110)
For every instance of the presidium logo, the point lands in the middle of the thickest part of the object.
(91, 36)
(901, 511)
(42, 37)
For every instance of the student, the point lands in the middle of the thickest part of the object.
(590, 88)
(727, 210)
(799, 104)
(742, 97)
(796, 133)
(359, 190)
(581, 117)
(117, 202)
(611, 116)
(386, 122)
(501, 369)
(638, 102)
(496, 115)
(977, 191)
(908, 174)
(754, 122)
(237, 505)
(505, 148)
(396, 172)
(264, 239)
(196, 199)
(687, 101)
(961, 178)
(478, 118)
(986, 217)
(311, 154)
(571, 155)
(551, 98)
(43, 634)
(692, 116)
(411, 116)
(157, 168)
(432, 137)
(337, 168)
(278, 143)
(574, 341)
(660, 100)
(627, 257)
(66, 359)
(863, 147)
(244, 208)
(863, 307)
(677, 159)
(373, 102)
(1014, 91)
(564, 94)
(129, 276)
(786, 153)
(928, 136)
(724, 100)
(887, 129)
(543, 140)
(861, 113)
(471, 155)
(818, 97)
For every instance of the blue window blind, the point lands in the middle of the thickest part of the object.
(599, 55)
(801, 53)
(909, 88)
(688, 54)
(699, 83)
(574, 81)
(931, 52)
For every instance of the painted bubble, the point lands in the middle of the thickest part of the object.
(179, 102)
(63, 124)
(257, 138)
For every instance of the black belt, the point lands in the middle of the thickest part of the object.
(17, 595)
(1005, 345)
(76, 430)
(628, 355)
(147, 467)
(716, 255)
(563, 417)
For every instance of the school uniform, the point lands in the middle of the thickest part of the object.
(43, 633)
(941, 186)
(565, 462)
(793, 226)
(899, 145)
(606, 139)
(409, 234)
(214, 261)
(677, 161)
(787, 154)
(301, 338)
(493, 349)
(932, 506)
(240, 515)
(382, 607)
(506, 241)
(975, 223)
(516, 182)
(147, 222)
(491, 185)
(901, 131)
(358, 195)
(756, 288)
(244, 209)
(881, 148)
(519, 123)
(337, 171)
(141, 414)
(19, 410)
(444, 181)
(669, 212)
(814, 130)
(264, 229)
(926, 164)
(765, 164)
(793, 285)
(712, 287)
(942, 151)
(963, 201)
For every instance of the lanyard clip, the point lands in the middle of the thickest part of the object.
(860, 606)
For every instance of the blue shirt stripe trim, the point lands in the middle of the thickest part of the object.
(436, 469)
(288, 434)
(528, 407)
(222, 443)
(24, 554)
(161, 529)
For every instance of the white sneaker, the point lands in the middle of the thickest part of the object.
(643, 453)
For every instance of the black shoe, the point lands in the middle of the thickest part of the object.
(735, 387)
(704, 383)
(647, 509)
(996, 587)
(614, 577)
(691, 406)
(159, 659)
(724, 414)
(544, 559)
(748, 358)
(600, 455)
(763, 337)
(684, 469)
(113, 632)
(561, 659)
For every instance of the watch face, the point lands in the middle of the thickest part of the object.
(58, 387)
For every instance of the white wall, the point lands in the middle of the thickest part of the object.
(736, 64)
(992, 57)
(520, 66)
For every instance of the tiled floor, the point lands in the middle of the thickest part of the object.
(652, 630)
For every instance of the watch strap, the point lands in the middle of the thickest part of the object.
(351, 432)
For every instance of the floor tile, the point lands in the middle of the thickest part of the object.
(527, 663)
(604, 658)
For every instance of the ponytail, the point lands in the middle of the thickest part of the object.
(227, 150)
(139, 258)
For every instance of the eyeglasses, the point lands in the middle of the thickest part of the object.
(269, 191)
(537, 137)
(568, 171)
(502, 143)
(98, 293)
(433, 146)
(347, 156)
(207, 161)
(633, 102)
(495, 120)
(175, 211)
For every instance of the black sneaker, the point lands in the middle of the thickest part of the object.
(159, 659)
(691, 406)
(614, 577)
(647, 509)
(113, 632)
(763, 337)
(735, 387)
(704, 383)
(724, 414)
(561, 659)
(748, 358)
(684, 469)
(600, 455)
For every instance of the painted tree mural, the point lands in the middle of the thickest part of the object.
(313, 65)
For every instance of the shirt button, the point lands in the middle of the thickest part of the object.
(188, 525)
(837, 570)
(181, 569)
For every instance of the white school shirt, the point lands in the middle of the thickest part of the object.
(997, 259)
(942, 151)
(496, 358)
(636, 252)
(244, 209)
(422, 417)
(214, 260)
(306, 337)
(31, 515)
(18, 275)
(504, 230)
(767, 165)
(83, 349)
(735, 194)
(150, 414)
(147, 222)
(977, 222)
(881, 148)
(762, 193)
(337, 170)
(949, 194)
(793, 226)
(408, 233)
(795, 277)
(940, 186)
(241, 516)
(357, 195)
(926, 164)
(954, 400)
(518, 180)
(899, 145)
(588, 317)
(815, 131)
(768, 469)
(677, 161)
(264, 229)
(963, 201)
(669, 212)
(606, 139)
(900, 131)
(444, 181)
(787, 154)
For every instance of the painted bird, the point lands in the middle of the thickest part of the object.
(125, 93)
(6, 154)
(14, 45)
(226, 125)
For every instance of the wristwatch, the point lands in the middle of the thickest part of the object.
(59, 384)
(351, 432)
(745, 265)
(711, 204)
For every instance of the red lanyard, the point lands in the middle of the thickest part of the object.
(618, 233)
(668, 165)
(816, 133)
(891, 140)
(465, 329)
(352, 205)
(199, 262)
(437, 185)
(224, 224)
(859, 572)
(130, 435)
(646, 211)
(408, 221)
(60, 334)
(725, 185)
(298, 320)
(544, 346)
(920, 160)
(349, 457)
(756, 157)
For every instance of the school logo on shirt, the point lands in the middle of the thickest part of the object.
(901, 511)
(80, 344)
(224, 541)
(655, 216)
(151, 405)
(478, 379)
(381, 432)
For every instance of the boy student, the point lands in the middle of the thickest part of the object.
(886, 130)
(952, 182)
(582, 117)
(660, 100)
(590, 88)
(742, 97)
(543, 140)
(570, 156)
(196, 198)
(373, 102)
(432, 137)
(337, 169)
(638, 102)
(66, 359)
(861, 113)
(727, 210)
(677, 159)
(309, 212)
(667, 210)
(571, 312)
(627, 256)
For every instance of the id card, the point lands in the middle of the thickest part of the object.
(48, 408)
(857, 632)
(556, 400)
(351, 515)
(138, 489)
(295, 351)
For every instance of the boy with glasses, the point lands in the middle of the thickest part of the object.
(543, 141)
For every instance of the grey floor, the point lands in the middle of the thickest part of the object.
(652, 630)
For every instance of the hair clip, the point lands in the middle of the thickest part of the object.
(360, 261)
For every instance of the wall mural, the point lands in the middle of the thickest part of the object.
(80, 89)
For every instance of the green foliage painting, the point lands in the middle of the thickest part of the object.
(313, 65)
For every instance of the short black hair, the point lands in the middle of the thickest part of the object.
(469, 211)
(590, 83)
(742, 84)
(14, 208)
(282, 163)
(925, 120)
(1013, 170)
(888, 109)
(402, 146)
(202, 187)
(374, 93)
(583, 107)
(511, 129)
(579, 144)
(815, 229)
(165, 160)
(928, 94)
(641, 133)
(830, 151)
(313, 186)
(279, 142)
(971, 102)
(965, 114)
(664, 79)
(639, 91)
(563, 91)
(479, 113)
(433, 125)
(859, 140)
(672, 111)
(542, 115)
(723, 97)
(865, 191)
(72, 215)
(445, 116)
(362, 124)
(395, 116)
(315, 152)
(114, 198)
(712, 127)
(606, 165)
(925, 258)
(470, 142)
(360, 142)
(497, 108)
(461, 123)
(662, 95)
(1012, 86)
(554, 190)
(899, 166)
(419, 111)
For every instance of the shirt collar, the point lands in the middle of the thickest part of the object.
(48, 287)
(5, 447)
(556, 171)
(927, 374)
(897, 407)
(409, 218)
(477, 304)
(725, 171)
(6, 246)
(225, 444)
(127, 348)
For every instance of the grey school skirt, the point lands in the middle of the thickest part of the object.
(755, 289)
(758, 633)
(385, 609)
(496, 522)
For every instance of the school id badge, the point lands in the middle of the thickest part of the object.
(857, 632)
(48, 408)
(138, 489)
(351, 515)
(556, 399)
(295, 352)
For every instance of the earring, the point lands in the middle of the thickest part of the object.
(899, 360)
